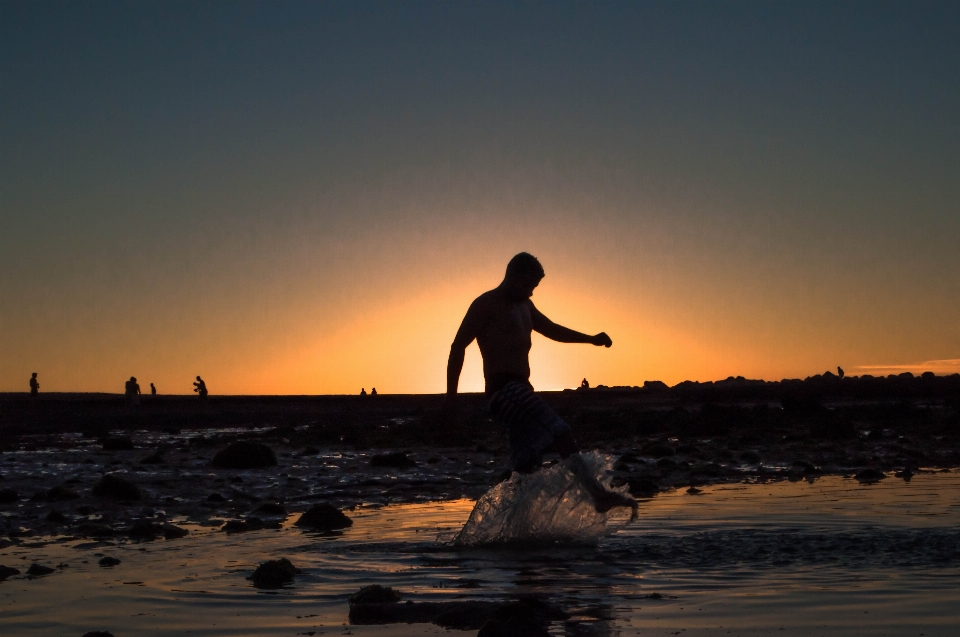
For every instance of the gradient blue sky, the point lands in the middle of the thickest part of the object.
(304, 197)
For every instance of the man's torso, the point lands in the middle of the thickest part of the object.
(504, 340)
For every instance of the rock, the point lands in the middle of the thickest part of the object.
(375, 594)
(95, 529)
(643, 487)
(117, 444)
(154, 458)
(61, 494)
(173, 532)
(254, 523)
(6, 571)
(56, 517)
(236, 526)
(39, 569)
(245, 455)
(270, 508)
(750, 457)
(145, 530)
(513, 627)
(216, 497)
(98, 633)
(114, 487)
(9, 496)
(323, 517)
(108, 561)
(395, 460)
(658, 450)
(869, 475)
(21, 532)
(274, 574)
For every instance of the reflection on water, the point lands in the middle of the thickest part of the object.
(832, 557)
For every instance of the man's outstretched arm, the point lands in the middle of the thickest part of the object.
(561, 334)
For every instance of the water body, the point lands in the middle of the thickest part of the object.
(831, 557)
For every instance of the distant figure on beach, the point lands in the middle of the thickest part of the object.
(501, 321)
(153, 390)
(363, 391)
(840, 372)
(132, 390)
(584, 384)
(200, 387)
(34, 385)
(373, 392)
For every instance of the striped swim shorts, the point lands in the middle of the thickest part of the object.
(531, 424)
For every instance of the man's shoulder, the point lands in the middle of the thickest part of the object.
(487, 299)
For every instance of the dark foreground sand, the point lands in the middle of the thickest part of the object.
(56, 448)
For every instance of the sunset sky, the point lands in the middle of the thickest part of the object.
(304, 197)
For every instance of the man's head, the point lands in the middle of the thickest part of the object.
(34, 374)
(523, 275)
(198, 378)
(133, 379)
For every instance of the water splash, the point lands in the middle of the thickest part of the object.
(549, 505)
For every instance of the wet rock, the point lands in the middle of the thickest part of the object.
(310, 451)
(94, 529)
(56, 517)
(658, 450)
(98, 633)
(906, 474)
(394, 460)
(9, 496)
(254, 523)
(21, 532)
(270, 508)
(61, 494)
(869, 475)
(154, 458)
(108, 561)
(216, 497)
(643, 487)
(323, 517)
(513, 627)
(7, 571)
(245, 455)
(145, 530)
(173, 532)
(85, 510)
(274, 574)
(114, 487)
(117, 444)
(39, 569)
(375, 594)
(750, 457)
(236, 526)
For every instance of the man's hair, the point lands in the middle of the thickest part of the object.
(524, 265)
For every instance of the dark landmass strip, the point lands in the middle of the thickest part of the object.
(55, 449)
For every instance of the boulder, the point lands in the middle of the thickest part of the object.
(61, 494)
(114, 487)
(869, 475)
(6, 571)
(323, 517)
(395, 460)
(39, 569)
(245, 455)
(274, 574)
(56, 517)
(98, 633)
(236, 526)
(9, 496)
(145, 530)
(375, 594)
(154, 458)
(108, 561)
(119, 443)
(173, 532)
(270, 508)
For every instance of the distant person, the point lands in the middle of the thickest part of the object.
(34, 385)
(200, 387)
(153, 390)
(584, 384)
(363, 391)
(840, 372)
(373, 392)
(132, 390)
(501, 321)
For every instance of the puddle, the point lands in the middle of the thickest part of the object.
(829, 558)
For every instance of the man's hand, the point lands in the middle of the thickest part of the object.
(601, 339)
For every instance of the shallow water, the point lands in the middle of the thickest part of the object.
(828, 558)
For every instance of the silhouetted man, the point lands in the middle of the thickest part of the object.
(34, 385)
(363, 391)
(153, 390)
(200, 387)
(501, 321)
(373, 392)
(132, 390)
(840, 372)
(584, 384)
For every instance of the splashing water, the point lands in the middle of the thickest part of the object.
(549, 505)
